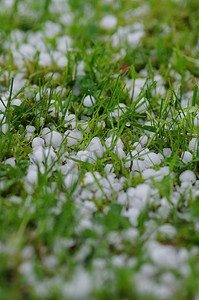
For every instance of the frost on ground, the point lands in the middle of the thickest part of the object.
(99, 171)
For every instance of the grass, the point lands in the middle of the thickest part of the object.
(57, 240)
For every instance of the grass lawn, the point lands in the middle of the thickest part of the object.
(99, 153)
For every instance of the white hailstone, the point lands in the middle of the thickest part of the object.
(188, 176)
(130, 234)
(133, 39)
(53, 138)
(16, 102)
(169, 279)
(38, 97)
(27, 51)
(76, 89)
(132, 214)
(18, 58)
(2, 184)
(78, 287)
(139, 82)
(143, 73)
(64, 43)
(175, 197)
(196, 120)
(4, 128)
(96, 147)
(52, 75)
(117, 186)
(105, 184)
(61, 91)
(186, 157)
(89, 178)
(109, 141)
(18, 83)
(138, 165)
(109, 168)
(37, 156)
(138, 26)
(134, 153)
(84, 125)
(151, 159)
(27, 270)
(116, 40)
(84, 251)
(64, 168)
(128, 161)
(143, 140)
(119, 110)
(70, 120)
(58, 56)
(193, 145)
(167, 230)
(161, 157)
(130, 193)
(99, 194)
(30, 129)
(50, 155)
(143, 191)
(37, 141)
(50, 261)
(62, 61)
(164, 171)
(148, 269)
(10, 161)
(32, 176)
(36, 39)
(80, 69)
(86, 194)
(89, 101)
(120, 153)
(149, 173)
(108, 22)
(141, 107)
(137, 203)
(3, 106)
(84, 223)
(160, 89)
(118, 260)
(45, 59)
(140, 11)
(15, 199)
(27, 252)
(135, 86)
(83, 155)
(16, 35)
(164, 256)
(130, 157)
(90, 205)
(2, 117)
(123, 52)
(137, 146)
(73, 137)
(66, 19)
(51, 29)
(70, 179)
(29, 135)
(101, 124)
(167, 152)
(161, 291)
(164, 211)
(122, 198)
